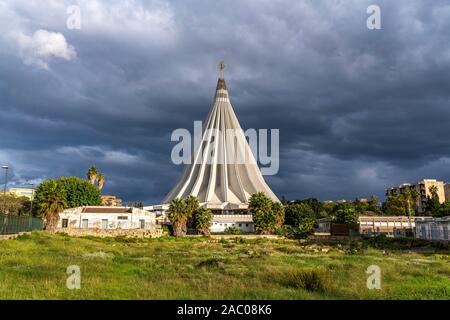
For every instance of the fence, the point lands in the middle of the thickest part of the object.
(15, 224)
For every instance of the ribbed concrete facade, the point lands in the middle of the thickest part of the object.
(217, 176)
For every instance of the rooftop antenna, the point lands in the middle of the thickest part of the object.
(221, 66)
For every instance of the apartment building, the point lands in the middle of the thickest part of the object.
(22, 192)
(447, 191)
(423, 187)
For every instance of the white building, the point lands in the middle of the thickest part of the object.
(433, 228)
(242, 222)
(102, 217)
(223, 172)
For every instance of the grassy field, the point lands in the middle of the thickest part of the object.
(34, 267)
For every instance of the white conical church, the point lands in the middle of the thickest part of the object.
(215, 176)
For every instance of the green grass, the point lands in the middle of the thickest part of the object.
(34, 267)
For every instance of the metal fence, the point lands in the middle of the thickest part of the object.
(15, 224)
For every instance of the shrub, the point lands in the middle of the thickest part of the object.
(232, 230)
(312, 280)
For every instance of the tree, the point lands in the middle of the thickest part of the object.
(394, 206)
(178, 216)
(259, 202)
(12, 205)
(265, 221)
(406, 197)
(202, 220)
(264, 217)
(79, 192)
(192, 205)
(295, 213)
(443, 210)
(92, 174)
(360, 206)
(51, 201)
(278, 209)
(101, 181)
(74, 192)
(299, 220)
(347, 215)
(373, 203)
(433, 202)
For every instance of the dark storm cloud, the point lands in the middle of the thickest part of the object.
(358, 110)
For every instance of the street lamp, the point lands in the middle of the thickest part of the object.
(6, 183)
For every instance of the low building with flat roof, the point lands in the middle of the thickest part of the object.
(242, 222)
(102, 217)
(371, 225)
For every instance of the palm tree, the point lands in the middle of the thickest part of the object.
(178, 215)
(415, 196)
(92, 174)
(202, 220)
(101, 181)
(407, 198)
(192, 205)
(51, 204)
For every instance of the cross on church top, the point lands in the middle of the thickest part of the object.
(221, 66)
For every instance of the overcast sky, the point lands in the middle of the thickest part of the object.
(358, 109)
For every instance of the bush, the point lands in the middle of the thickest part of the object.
(299, 221)
(232, 230)
(312, 280)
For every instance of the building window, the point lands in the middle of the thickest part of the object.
(65, 223)
(246, 224)
(122, 218)
(104, 223)
(85, 223)
(445, 230)
(142, 224)
(240, 224)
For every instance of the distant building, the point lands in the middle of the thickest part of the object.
(423, 187)
(447, 191)
(111, 201)
(324, 224)
(433, 228)
(22, 192)
(242, 222)
(388, 225)
(369, 225)
(101, 217)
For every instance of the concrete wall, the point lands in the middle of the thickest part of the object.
(154, 232)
